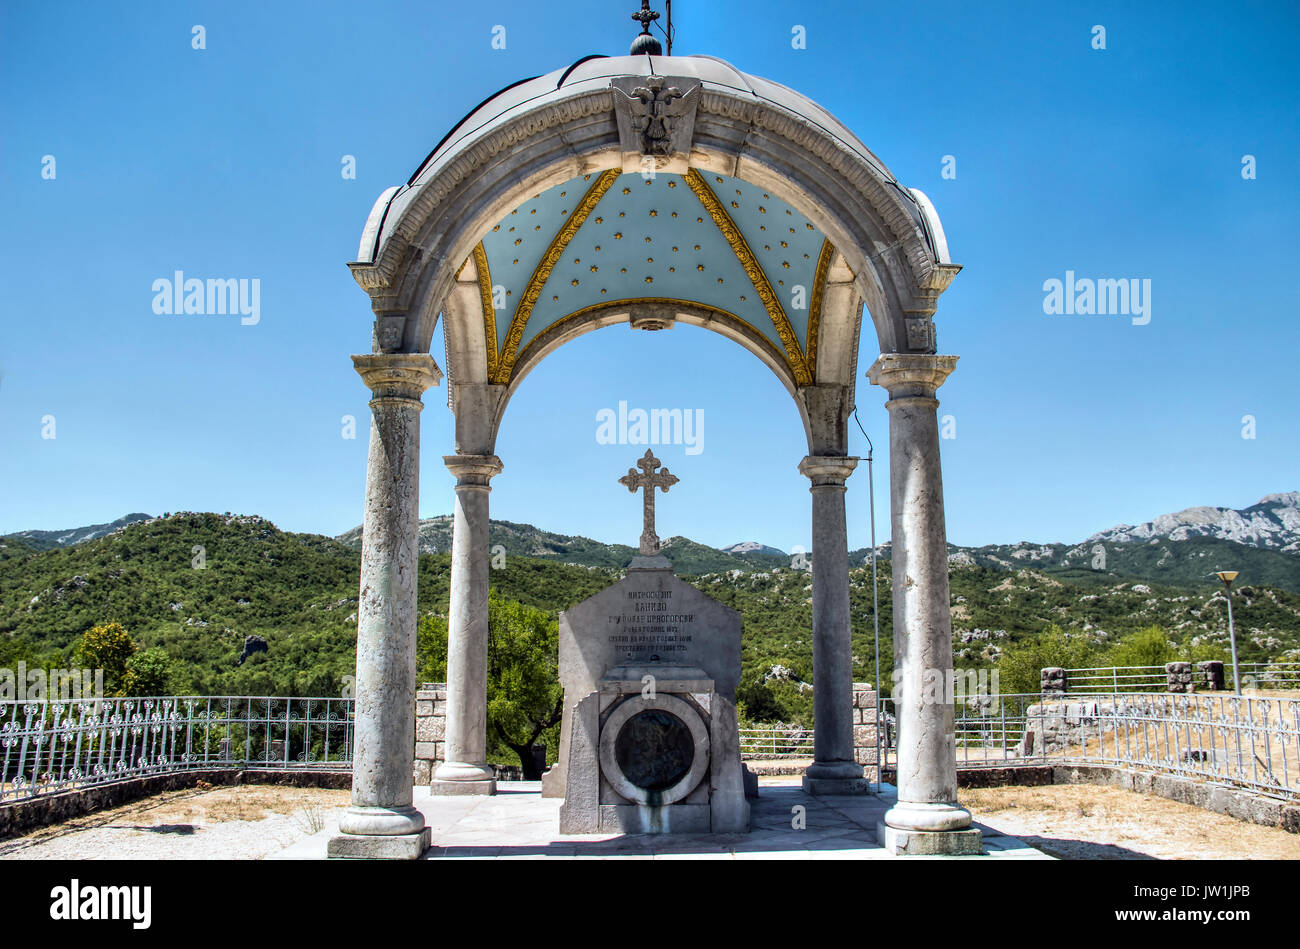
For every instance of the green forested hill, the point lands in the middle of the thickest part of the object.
(298, 593)
(525, 540)
(1188, 562)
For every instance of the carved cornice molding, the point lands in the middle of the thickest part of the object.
(397, 376)
(473, 471)
(828, 470)
(911, 375)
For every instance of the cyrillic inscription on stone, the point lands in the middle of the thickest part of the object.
(650, 629)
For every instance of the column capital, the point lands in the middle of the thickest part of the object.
(475, 470)
(911, 375)
(825, 470)
(397, 375)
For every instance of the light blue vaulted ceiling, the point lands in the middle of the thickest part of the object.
(653, 238)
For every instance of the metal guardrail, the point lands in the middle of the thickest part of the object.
(1267, 675)
(776, 743)
(1245, 741)
(1116, 679)
(51, 746)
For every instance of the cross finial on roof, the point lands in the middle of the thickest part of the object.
(648, 479)
(646, 16)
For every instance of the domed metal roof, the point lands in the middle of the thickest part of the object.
(595, 72)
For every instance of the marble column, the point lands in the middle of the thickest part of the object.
(381, 821)
(466, 770)
(834, 770)
(926, 818)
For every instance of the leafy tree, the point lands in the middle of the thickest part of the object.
(1148, 646)
(524, 696)
(108, 647)
(148, 673)
(1021, 664)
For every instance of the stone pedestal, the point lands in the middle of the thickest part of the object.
(381, 821)
(927, 817)
(649, 741)
(465, 770)
(835, 769)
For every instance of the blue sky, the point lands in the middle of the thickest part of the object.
(1123, 162)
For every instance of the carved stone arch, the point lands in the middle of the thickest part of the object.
(884, 234)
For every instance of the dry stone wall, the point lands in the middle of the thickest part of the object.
(865, 730)
(430, 730)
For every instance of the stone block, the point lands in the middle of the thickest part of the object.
(430, 729)
(397, 847)
(426, 751)
(1178, 677)
(1053, 680)
(675, 819)
(423, 772)
(423, 708)
(462, 788)
(915, 843)
(1289, 819)
(579, 814)
(830, 787)
(1210, 677)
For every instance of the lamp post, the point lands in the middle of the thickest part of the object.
(1227, 576)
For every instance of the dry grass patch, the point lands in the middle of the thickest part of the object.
(1083, 822)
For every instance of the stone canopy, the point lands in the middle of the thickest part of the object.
(650, 190)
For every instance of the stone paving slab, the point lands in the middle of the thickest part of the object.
(518, 823)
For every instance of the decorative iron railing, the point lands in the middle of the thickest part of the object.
(1246, 741)
(50, 746)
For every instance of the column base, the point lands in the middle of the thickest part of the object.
(822, 787)
(373, 847)
(927, 816)
(930, 843)
(460, 777)
(835, 777)
(362, 820)
(463, 787)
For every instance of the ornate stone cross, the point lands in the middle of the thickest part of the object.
(648, 479)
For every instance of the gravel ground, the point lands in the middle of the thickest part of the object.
(228, 823)
(1082, 822)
